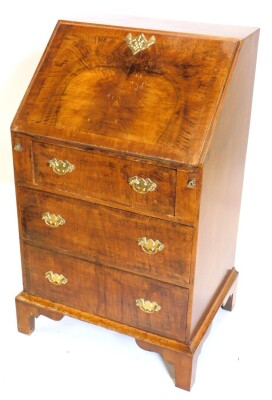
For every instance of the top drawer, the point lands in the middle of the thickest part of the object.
(126, 182)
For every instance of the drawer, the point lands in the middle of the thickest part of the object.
(125, 240)
(106, 292)
(106, 178)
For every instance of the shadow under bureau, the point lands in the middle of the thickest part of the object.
(129, 150)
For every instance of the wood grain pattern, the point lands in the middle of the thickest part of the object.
(97, 171)
(188, 347)
(42, 305)
(184, 363)
(106, 292)
(226, 289)
(108, 236)
(222, 183)
(187, 197)
(106, 178)
(26, 314)
(176, 111)
(22, 160)
(91, 84)
(182, 355)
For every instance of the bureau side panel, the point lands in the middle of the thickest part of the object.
(223, 170)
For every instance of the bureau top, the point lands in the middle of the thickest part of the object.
(148, 93)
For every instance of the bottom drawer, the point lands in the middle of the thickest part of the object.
(106, 292)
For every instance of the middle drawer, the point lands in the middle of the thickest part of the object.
(147, 246)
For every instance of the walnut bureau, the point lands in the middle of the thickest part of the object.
(129, 150)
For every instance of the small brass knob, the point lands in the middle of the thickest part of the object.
(148, 306)
(61, 167)
(141, 185)
(150, 246)
(56, 279)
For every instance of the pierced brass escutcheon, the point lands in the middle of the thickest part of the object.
(139, 43)
(191, 183)
(148, 306)
(141, 185)
(56, 279)
(150, 246)
(61, 167)
(53, 220)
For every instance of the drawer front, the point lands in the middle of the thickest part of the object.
(112, 237)
(105, 178)
(106, 292)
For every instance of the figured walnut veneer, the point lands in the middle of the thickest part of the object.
(100, 125)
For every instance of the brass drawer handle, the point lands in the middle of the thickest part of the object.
(148, 306)
(53, 220)
(150, 246)
(61, 167)
(139, 43)
(56, 279)
(141, 185)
